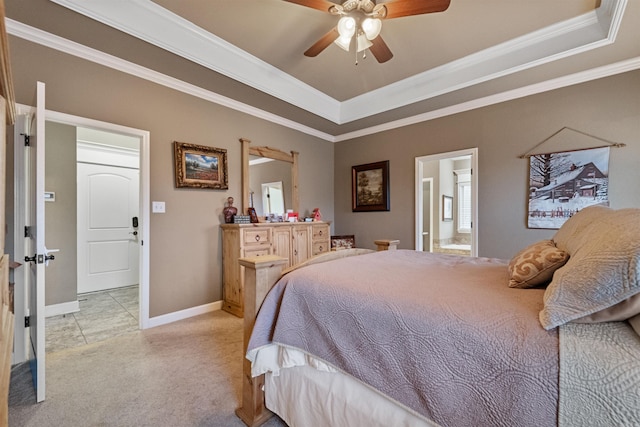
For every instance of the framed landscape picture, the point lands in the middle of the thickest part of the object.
(370, 187)
(200, 166)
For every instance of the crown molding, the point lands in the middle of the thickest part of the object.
(549, 85)
(577, 35)
(60, 44)
(154, 24)
(52, 41)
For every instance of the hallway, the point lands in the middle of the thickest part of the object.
(102, 315)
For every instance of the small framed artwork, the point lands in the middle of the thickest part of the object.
(343, 242)
(447, 208)
(253, 215)
(370, 187)
(200, 166)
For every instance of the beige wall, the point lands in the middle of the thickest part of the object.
(60, 215)
(608, 108)
(185, 245)
(185, 241)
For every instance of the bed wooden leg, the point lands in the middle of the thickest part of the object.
(387, 245)
(260, 274)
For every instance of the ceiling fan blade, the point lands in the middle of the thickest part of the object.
(380, 50)
(400, 8)
(323, 5)
(323, 43)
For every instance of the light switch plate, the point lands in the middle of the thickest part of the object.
(157, 207)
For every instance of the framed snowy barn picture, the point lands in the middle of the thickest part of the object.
(563, 183)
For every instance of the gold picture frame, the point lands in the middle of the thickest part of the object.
(200, 166)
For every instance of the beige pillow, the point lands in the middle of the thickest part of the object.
(534, 265)
(602, 271)
(616, 313)
(571, 236)
(635, 323)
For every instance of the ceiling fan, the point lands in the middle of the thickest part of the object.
(361, 22)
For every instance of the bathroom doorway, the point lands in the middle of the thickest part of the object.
(446, 202)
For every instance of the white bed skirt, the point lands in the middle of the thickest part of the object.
(304, 396)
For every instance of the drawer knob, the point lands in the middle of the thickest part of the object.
(320, 232)
(257, 237)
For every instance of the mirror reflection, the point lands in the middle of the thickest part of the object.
(270, 186)
(272, 198)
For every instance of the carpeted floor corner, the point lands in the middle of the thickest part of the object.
(186, 373)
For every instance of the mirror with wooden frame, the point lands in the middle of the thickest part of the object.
(271, 153)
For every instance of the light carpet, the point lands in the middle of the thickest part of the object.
(187, 373)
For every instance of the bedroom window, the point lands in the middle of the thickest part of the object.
(464, 202)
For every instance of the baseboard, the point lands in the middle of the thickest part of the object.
(184, 314)
(63, 308)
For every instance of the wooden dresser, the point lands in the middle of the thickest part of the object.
(295, 241)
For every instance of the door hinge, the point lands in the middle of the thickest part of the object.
(27, 231)
(27, 142)
(27, 321)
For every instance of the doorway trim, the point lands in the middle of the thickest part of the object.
(420, 213)
(145, 160)
(419, 170)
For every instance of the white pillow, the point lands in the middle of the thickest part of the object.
(603, 270)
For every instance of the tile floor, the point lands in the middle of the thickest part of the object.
(102, 315)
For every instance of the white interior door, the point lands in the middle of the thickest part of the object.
(108, 252)
(36, 255)
(272, 198)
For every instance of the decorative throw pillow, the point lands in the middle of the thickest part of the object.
(601, 272)
(534, 265)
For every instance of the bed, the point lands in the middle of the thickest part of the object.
(407, 338)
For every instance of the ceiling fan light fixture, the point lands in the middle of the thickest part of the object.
(372, 27)
(346, 26)
(343, 42)
(362, 42)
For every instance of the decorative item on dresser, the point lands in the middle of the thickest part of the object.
(229, 211)
(296, 242)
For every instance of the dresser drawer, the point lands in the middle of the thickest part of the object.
(320, 247)
(255, 236)
(259, 251)
(320, 232)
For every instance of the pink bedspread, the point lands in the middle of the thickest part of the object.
(441, 334)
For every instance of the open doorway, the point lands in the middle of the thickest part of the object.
(92, 176)
(62, 196)
(104, 288)
(446, 211)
